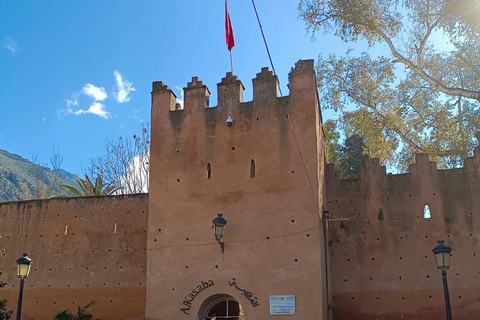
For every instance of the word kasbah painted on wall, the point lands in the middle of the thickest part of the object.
(187, 301)
(247, 294)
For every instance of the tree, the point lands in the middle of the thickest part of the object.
(81, 314)
(87, 188)
(351, 157)
(126, 163)
(423, 95)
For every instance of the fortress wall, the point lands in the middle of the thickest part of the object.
(273, 236)
(386, 269)
(83, 249)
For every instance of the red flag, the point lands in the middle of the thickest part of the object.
(228, 30)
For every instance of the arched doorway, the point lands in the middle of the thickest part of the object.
(221, 307)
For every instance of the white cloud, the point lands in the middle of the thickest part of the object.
(180, 101)
(97, 93)
(96, 108)
(123, 88)
(10, 45)
(73, 101)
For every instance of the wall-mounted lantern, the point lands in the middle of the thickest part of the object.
(442, 258)
(219, 227)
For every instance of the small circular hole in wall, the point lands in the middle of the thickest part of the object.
(173, 289)
(233, 148)
(409, 195)
(426, 237)
(188, 239)
(186, 267)
(353, 298)
(426, 257)
(459, 297)
(457, 274)
(371, 278)
(258, 119)
(403, 298)
(345, 280)
(348, 260)
(378, 298)
(216, 266)
(296, 260)
(388, 198)
(401, 238)
(448, 236)
(308, 235)
(428, 277)
(293, 171)
(471, 213)
(178, 180)
(430, 297)
(401, 258)
(434, 194)
(155, 240)
(373, 259)
(131, 300)
(293, 220)
(400, 277)
(178, 151)
(268, 238)
(378, 239)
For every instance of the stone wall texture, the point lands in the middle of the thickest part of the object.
(83, 249)
(385, 269)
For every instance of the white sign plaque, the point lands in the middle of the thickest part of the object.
(282, 305)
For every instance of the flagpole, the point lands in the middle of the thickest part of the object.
(231, 61)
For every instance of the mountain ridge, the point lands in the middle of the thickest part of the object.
(21, 179)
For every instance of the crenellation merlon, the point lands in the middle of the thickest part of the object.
(195, 83)
(230, 91)
(265, 86)
(160, 86)
(196, 94)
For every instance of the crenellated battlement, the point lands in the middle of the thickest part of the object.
(230, 89)
(423, 166)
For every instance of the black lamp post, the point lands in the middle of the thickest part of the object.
(218, 228)
(23, 269)
(442, 258)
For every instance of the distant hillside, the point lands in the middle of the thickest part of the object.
(20, 178)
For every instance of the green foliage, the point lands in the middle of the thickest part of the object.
(81, 314)
(85, 187)
(351, 157)
(423, 95)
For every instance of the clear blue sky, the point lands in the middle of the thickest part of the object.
(58, 86)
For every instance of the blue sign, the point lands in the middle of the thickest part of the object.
(282, 305)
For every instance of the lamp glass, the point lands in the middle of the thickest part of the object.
(219, 231)
(23, 270)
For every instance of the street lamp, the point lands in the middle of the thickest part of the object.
(23, 269)
(442, 258)
(218, 228)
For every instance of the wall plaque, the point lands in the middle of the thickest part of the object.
(282, 305)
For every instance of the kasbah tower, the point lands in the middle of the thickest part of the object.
(299, 243)
(266, 180)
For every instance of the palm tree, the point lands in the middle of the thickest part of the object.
(80, 315)
(87, 188)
